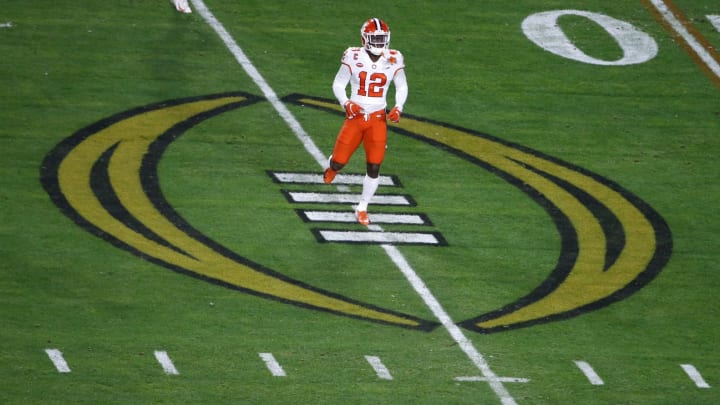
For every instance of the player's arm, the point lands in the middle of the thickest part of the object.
(342, 78)
(401, 94)
(401, 89)
(339, 86)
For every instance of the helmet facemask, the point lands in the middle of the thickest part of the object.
(377, 43)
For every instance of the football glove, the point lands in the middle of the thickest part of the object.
(352, 109)
(394, 114)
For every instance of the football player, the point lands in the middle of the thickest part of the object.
(369, 69)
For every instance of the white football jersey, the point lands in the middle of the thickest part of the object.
(369, 81)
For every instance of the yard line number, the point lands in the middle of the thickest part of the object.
(637, 47)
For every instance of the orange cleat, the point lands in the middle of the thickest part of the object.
(329, 175)
(362, 217)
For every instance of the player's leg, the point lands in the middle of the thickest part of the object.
(375, 143)
(331, 170)
(346, 143)
(370, 186)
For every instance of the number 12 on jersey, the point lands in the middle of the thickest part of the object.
(375, 87)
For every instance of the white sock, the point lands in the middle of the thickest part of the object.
(370, 186)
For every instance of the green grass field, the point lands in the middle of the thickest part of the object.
(575, 203)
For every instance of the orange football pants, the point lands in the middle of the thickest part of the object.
(371, 132)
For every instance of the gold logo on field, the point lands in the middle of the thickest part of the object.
(104, 177)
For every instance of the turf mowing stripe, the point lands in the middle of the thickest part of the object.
(58, 360)
(167, 364)
(275, 369)
(454, 331)
(382, 372)
(589, 372)
(694, 43)
(694, 375)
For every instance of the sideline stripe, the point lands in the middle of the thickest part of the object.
(380, 369)
(272, 365)
(167, 364)
(692, 40)
(694, 375)
(6, 25)
(58, 360)
(454, 331)
(589, 372)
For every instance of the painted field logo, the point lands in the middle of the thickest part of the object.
(104, 177)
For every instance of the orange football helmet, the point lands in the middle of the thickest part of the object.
(375, 35)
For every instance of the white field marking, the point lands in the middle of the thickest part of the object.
(6, 25)
(311, 178)
(380, 369)
(376, 218)
(694, 375)
(589, 372)
(415, 238)
(676, 25)
(58, 360)
(454, 331)
(167, 364)
(501, 379)
(463, 342)
(272, 365)
(269, 93)
(342, 198)
(543, 29)
(715, 20)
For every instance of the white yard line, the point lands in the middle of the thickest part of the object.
(166, 363)
(272, 365)
(501, 379)
(692, 42)
(589, 372)
(715, 21)
(341, 178)
(349, 217)
(464, 343)
(419, 238)
(269, 93)
(695, 376)
(380, 369)
(349, 198)
(58, 360)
